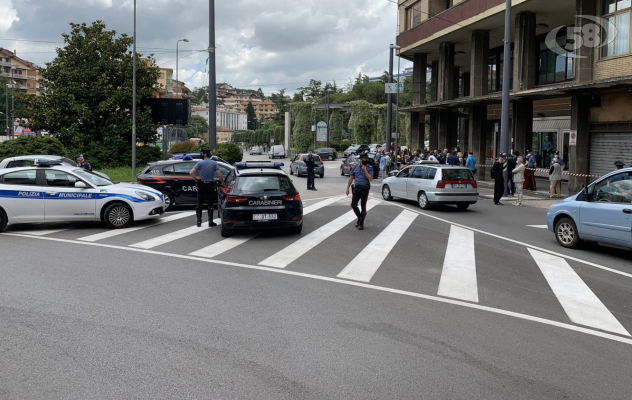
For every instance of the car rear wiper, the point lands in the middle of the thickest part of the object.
(270, 190)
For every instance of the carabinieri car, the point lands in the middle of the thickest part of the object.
(172, 179)
(259, 195)
(52, 192)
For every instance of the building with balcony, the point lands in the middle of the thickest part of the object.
(224, 91)
(265, 109)
(571, 83)
(24, 74)
(228, 118)
(164, 86)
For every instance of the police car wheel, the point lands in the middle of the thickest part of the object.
(322, 175)
(117, 216)
(342, 173)
(296, 229)
(226, 232)
(169, 202)
(3, 220)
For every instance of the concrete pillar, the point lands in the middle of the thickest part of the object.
(457, 79)
(579, 157)
(478, 63)
(434, 132)
(417, 130)
(522, 125)
(420, 62)
(442, 126)
(463, 134)
(465, 84)
(446, 71)
(477, 136)
(525, 52)
(584, 63)
(434, 81)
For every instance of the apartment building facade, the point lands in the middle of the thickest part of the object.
(571, 93)
(164, 86)
(265, 109)
(24, 74)
(228, 118)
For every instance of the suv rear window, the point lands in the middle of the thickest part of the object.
(456, 175)
(263, 183)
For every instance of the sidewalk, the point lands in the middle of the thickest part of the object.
(539, 198)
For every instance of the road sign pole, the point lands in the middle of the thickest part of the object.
(212, 97)
(389, 109)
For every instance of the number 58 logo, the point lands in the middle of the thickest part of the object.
(589, 35)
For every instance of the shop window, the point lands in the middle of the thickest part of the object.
(553, 67)
(544, 145)
(617, 13)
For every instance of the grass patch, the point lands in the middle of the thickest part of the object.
(121, 174)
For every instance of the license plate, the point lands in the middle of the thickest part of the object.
(459, 186)
(264, 217)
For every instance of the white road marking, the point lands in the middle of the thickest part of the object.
(228, 244)
(366, 263)
(292, 252)
(169, 237)
(580, 303)
(530, 246)
(437, 299)
(538, 226)
(116, 232)
(458, 278)
(42, 232)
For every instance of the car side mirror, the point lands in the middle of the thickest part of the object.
(80, 185)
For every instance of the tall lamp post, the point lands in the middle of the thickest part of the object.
(389, 109)
(327, 118)
(212, 90)
(6, 115)
(134, 98)
(504, 116)
(177, 43)
(12, 102)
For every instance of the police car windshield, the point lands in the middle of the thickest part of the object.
(263, 183)
(92, 178)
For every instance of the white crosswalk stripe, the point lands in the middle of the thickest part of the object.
(40, 232)
(169, 237)
(366, 263)
(297, 249)
(116, 232)
(228, 244)
(458, 278)
(580, 303)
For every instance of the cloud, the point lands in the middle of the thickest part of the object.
(271, 44)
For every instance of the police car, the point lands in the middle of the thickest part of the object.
(259, 195)
(172, 179)
(53, 192)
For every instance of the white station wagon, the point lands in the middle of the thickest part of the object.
(51, 192)
(431, 184)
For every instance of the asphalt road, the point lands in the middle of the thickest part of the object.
(146, 314)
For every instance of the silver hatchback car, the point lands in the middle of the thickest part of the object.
(432, 184)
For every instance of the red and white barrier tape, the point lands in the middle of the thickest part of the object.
(544, 170)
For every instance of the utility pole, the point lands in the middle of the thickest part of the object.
(212, 96)
(504, 118)
(134, 99)
(389, 109)
(11, 121)
(6, 115)
(327, 118)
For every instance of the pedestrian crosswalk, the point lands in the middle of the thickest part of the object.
(372, 259)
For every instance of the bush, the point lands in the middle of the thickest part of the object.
(183, 147)
(31, 145)
(117, 154)
(229, 152)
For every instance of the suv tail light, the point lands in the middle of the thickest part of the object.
(236, 199)
(292, 198)
(224, 189)
(141, 181)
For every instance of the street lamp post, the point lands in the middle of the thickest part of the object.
(389, 109)
(6, 115)
(177, 43)
(12, 102)
(212, 90)
(504, 116)
(327, 118)
(134, 98)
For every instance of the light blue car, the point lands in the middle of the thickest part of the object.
(602, 212)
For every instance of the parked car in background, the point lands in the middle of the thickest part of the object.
(27, 161)
(255, 150)
(602, 212)
(433, 184)
(375, 147)
(326, 153)
(299, 168)
(172, 179)
(180, 156)
(276, 151)
(350, 150)
(347, 164)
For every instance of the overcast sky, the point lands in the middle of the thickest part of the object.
(271, 44)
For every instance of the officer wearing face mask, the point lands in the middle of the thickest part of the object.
(361, 176)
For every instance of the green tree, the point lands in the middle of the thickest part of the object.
(29, 145)
(197, 128)
(199, 96)
(362, 121)
(302, 130)
(182, 147)
(252, 117)
(88, 98)
(229, 152)
(336, 127)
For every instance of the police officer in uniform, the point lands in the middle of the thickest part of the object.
(361, 175)
(204, 174)
(82, 163)
(499, 179)
(309, 162)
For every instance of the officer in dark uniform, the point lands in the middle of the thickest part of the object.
(204, 174)
(309, 162)
(82, 163)
(621, 177)
(361, 175)
(499, 179)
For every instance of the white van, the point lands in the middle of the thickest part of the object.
(276, 151)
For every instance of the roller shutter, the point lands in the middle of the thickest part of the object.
(608, 147)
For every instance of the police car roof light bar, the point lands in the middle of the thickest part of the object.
(249, 164)
(47, 163)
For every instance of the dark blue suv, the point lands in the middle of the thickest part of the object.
(259, 195)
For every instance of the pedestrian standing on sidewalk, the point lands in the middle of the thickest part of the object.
(470, 162)
(511, 164)
(532, 164)
(499, 180)
(518, 178)
(383, 166)
(555, 176)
